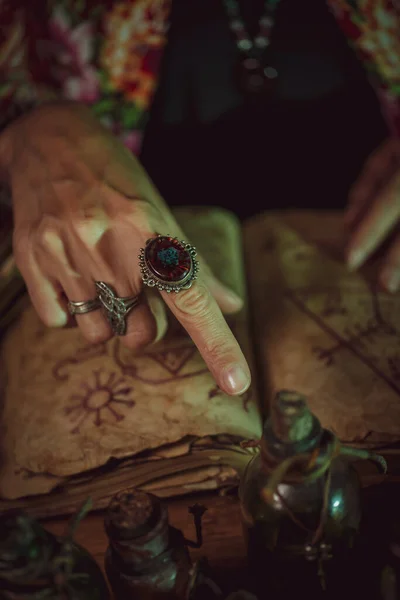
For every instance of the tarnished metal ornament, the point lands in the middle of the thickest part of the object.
(168, 264)
(115, 307)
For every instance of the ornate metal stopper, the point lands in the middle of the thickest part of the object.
(131, 514)
(137, 526)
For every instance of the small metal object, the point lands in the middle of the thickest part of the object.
(83, 307)
(168, 264)
(146, 557)
(116, 308)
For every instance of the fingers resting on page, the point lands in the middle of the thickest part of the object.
(373, 214)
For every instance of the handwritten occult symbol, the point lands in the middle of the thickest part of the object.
(60, 369)
(361, 339)
(175, 363)
(173, 360)
(98, 401)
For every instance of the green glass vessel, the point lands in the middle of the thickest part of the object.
(36, 565)
(300, 506)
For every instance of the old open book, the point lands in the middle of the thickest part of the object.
(79, 420)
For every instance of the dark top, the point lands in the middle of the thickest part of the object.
(300, 146)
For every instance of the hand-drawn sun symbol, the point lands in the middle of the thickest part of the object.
(97, 400)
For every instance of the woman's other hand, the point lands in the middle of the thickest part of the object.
(83, 208)
(373, 213)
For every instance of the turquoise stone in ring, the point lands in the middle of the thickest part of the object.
(168, 264)
(169, 257)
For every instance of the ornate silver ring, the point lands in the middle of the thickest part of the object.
(81, 308)
(168, 264)
(116, 308)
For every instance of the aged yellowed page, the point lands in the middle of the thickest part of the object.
(68, 407)
(321, 330)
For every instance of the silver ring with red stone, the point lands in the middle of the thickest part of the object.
(116, 308)
(168, 264)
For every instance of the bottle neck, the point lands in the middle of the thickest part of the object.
(280, 449)
(136, 547)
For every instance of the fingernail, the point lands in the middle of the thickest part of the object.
(355, 259)
(235, 380)
(59, 318)
(157, 309)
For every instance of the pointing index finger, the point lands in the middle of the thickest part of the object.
(170, 265)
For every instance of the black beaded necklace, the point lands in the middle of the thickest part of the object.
(255, 76)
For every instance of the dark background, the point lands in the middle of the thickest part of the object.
(301, 146)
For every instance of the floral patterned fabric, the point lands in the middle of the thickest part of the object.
(373, 29)
(107, 54)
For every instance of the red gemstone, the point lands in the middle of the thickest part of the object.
(168, 259)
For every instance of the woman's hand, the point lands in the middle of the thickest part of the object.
(374, 213)
(83, 208)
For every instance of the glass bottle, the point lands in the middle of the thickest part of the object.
(36, 565)
(146, 558)
(300, 505)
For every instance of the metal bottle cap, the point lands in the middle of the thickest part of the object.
(132, 514)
